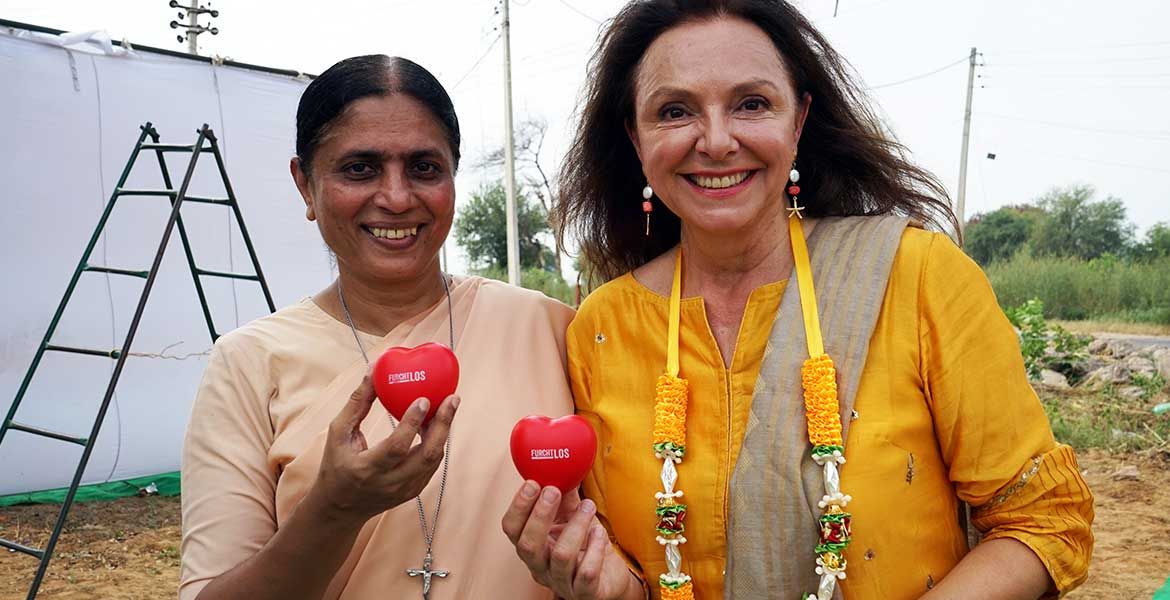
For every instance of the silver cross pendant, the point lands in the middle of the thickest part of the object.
(426, 573)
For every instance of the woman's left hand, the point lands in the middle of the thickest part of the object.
(565, 547)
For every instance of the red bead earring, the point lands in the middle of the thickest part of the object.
(647, 206)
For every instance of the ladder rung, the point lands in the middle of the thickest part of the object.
(173, 147)
(104, 353)
(46, 433)
(19, 548)
(96, 269)
(206, 200)
(126, 192)
(227, 275)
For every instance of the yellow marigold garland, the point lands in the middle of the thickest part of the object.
(670, 413)
(818, 376)
(822, 407)
(669, 445)
(684, 592)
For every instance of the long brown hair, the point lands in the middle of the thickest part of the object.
(849, 163)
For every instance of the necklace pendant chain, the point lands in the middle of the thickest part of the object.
(428, 533)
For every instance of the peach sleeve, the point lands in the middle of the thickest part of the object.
(228, 498)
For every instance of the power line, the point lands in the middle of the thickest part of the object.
(1163, 136)
(1082, 62)
(580, 12)
(1097, 161)
(922, 76)
(477, 63)
(1068, 49)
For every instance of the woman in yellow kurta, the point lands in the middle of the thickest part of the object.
(915, 400)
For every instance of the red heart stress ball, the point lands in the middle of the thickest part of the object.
(403, 375)
(557, 452)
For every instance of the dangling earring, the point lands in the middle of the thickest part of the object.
(794, 192)
(647, 206)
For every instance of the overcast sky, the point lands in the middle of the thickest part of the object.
(1072, 92)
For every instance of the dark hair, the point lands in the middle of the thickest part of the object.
(849, 163)
(355, 78)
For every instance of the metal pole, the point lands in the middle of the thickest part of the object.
(509, 159)
(193, 23)
(966, 142)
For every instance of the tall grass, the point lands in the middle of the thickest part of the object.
(1107, 288)
(551, 284)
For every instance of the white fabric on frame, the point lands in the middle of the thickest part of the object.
(70, 109)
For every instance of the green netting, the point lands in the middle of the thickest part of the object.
(1164, 593)
(167, 484)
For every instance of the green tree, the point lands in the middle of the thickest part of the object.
(527, 145)
(481, 230)
(999, 234)
(1076, 226)
(1157, 243)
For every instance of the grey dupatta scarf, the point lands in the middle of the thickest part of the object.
(773, 525)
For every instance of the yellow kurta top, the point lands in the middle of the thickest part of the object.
(944, 413)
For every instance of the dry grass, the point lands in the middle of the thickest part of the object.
(1125, 327)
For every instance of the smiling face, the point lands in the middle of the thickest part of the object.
(382, 188)
(716, 124)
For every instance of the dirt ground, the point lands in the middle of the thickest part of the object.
(128, 549)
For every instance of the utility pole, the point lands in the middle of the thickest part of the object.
(966, 142)
(510, 158)
(192, 26)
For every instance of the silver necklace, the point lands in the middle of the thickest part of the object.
(425, 572)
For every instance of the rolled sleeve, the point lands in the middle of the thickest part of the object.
(991, 428)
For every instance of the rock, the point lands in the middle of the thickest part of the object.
(1130, 392)
(1098, 346)
(1118, 348)
(1113, 374)
(1127, 473)
(1054, 380)
(1141, 365)
(1161, 358)
(1124, 436)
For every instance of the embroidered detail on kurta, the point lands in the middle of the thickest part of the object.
(1015, 487)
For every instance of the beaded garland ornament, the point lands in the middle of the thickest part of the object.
(670, 432)
(822, 411)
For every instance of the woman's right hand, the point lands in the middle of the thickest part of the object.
(565, 546)
(355, 481)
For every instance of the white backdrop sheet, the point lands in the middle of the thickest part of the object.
(69, 117)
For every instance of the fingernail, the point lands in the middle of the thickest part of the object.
(587, 507)
(550, 495)
(598, 531)
(423, 405)
(529, 490)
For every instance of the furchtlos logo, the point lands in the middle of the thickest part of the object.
(550, 453)
(406, 377)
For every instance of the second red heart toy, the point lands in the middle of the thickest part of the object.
(403, 375)
(557, 452)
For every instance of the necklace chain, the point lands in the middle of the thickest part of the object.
(428, 535)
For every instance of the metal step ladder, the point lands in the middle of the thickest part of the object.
(206, 142)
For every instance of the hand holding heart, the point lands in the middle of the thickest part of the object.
(556, 533)
(357, 481)
(565, 547)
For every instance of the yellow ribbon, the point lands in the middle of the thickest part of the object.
(808, 296)
(675, 315)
